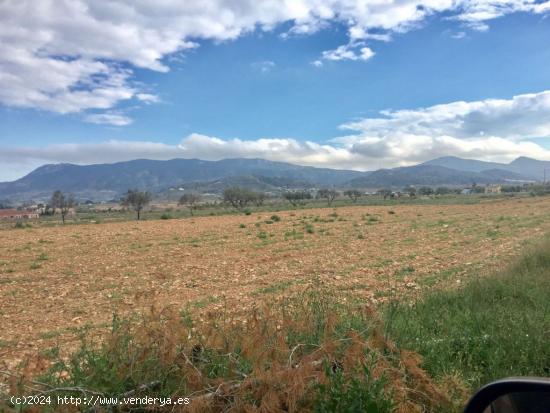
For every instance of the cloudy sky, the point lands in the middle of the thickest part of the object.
(358, 84)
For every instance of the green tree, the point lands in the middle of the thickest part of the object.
(353, 194)
(190, 199)
(239, 197)
(425, 190)
(136, 200)
(443, 190)
(62, 202)
(297, 197)
(328, 194)
(411, 190)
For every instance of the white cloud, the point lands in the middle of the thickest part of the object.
(491, 129)
(349, 52)
(522, 117)
(108, 119)
(73, 55)
(264, 66)
(147, 98)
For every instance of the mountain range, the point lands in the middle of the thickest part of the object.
(107, 181)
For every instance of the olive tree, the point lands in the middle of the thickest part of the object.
(385, 192)
(353, 194)
(62, 202)
(136, 200)
(328, 194)
(190, 199)
(239, 197)
(425, 190)
(297, 197)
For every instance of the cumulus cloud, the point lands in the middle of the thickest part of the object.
(349, 52)
(492, 129)
(73, 55)
(521, 117)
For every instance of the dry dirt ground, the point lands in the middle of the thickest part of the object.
(56, 280)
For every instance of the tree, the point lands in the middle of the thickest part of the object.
(411, 190)
(328, 194)
(257, 198)
(443, 190)
(62, 202)
(297, 197)
(384, 192)
(425, 190)
(136, 200)
(353, 194)
(477, 189)
(240, 197)
(190, 199)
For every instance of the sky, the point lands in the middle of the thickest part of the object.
(348, 84)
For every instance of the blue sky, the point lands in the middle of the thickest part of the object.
(253, 91)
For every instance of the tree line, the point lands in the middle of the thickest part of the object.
(240, 198)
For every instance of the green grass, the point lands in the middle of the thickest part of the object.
(495, 326)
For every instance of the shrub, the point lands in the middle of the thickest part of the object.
(275, 218)
(353, 393)
(166, 216)
(305, 354)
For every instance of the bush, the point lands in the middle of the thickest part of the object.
(275, 218)
(309, 353)
(166, 216)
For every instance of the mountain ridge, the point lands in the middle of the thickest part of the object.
(107, 181)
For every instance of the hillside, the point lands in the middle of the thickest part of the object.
(528, 167)
(107, 181)
(104, 181)
(431, 175)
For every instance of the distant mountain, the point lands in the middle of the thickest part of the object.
(528, 167)
(105, 181)
(109, 181)
(461, 164)
(256, 183)
(432, 175)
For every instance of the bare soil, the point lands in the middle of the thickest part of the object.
(55, 281)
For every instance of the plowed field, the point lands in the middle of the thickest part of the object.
(56, 280)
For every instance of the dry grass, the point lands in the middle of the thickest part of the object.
(291, 356)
